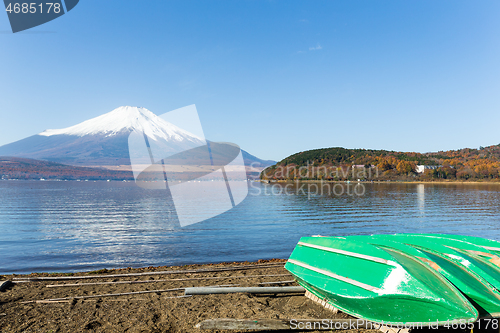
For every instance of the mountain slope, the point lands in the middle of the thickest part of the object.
(103, 141)
(24, 168)
(254, 161)
(124, 120)
(85, 150)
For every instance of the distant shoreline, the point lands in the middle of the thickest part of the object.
(488, 182)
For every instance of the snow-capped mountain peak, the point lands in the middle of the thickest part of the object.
(124, 120)
(106, 140)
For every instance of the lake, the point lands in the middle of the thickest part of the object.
(50, 226)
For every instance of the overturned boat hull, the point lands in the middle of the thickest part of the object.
(451, 264)
(377, 282)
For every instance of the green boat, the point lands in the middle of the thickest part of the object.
(488, 244)
(476, 259)
(380, 283)
(450, 264)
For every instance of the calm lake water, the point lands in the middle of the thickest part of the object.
(50, 226)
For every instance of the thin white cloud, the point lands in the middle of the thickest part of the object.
(315, 48)
(188, 83)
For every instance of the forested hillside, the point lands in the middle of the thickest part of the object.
(346, 164)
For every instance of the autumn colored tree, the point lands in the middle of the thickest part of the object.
(405, 167)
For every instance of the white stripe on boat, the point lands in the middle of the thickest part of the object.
(493, 258)
(335, 276)
(477, 253)
(491, 248)
(351, 254)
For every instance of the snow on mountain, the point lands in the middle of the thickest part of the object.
(126, 119)
(104, 140)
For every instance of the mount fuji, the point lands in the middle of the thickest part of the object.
(103, 141)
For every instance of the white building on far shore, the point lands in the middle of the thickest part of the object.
(422, 168)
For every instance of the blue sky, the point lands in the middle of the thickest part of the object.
(275, 77)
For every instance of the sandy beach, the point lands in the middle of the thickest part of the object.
(46, 306)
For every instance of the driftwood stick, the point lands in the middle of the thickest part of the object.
(103, 295)
(162, 280)
(192, 271)
(276, 324)
(251, 290)
(278, 282)
(119, 294)
(130, 299)
(48, 301)
(68, 299)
